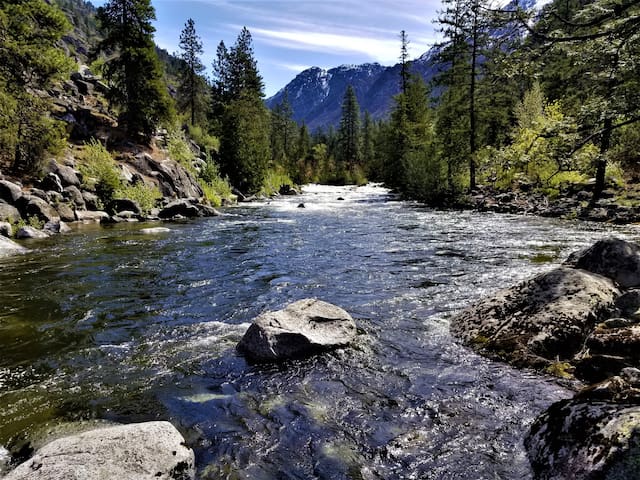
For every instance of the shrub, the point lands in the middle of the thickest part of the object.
(275, 178)
(99, 171)
(144, 195)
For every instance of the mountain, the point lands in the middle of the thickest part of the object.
(316, 94)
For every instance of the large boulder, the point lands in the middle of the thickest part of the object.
(9, 213)
(68, 176)
(9, 247)
(74, 195)
(10, 192)
(540, 320)
(181, 207)
(51, 182)
(613, 258)
(33, 206)
(144, 451)
(124, 205)
(27, 232)
(173, 179)
(86, 216)
(595, 435)
(301, 329)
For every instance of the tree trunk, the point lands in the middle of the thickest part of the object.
(601, 163)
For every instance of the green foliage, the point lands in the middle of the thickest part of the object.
(144, 195)
(215, 187)
(192, 90)
(30, 61)
(134, 71)
(274, 179)
(207, 142)
(179, 149)
(99, 171)
(349, 135)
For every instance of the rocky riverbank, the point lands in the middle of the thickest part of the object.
(578, 321)
(574, 202)
(62, 197)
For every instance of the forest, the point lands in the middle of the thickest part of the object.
(538, 101)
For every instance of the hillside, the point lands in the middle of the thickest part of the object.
(316, 94)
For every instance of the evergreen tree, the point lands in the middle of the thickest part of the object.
(404, 61)
(349, 148)
(133, 70)
(283, 133)
(191, 92)
(368, 139)
(30, 60)
(244, 123)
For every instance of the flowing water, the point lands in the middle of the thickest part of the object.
(108, 323)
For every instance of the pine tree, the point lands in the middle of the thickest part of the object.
(244, 123)
(191, 92)
(349, 151)
(30, 60)
(283, 133)
(404, 61)
(133, 70)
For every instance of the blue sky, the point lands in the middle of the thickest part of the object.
(292, 35)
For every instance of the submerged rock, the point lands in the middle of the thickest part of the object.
(539, 320)
(152, 450)
(301, 329)
(31, 233)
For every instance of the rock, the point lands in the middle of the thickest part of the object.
(288, 190)
(37, 192)
(207, 211)
(152, 450)
(539, 320)
(32, 206)
(154, 230)
(86, 216)
(629, 304)
(55, 197)
(10, 192)
(173, 179)
(303, 328)
(6, 230)
(9, 247)
(68, 176)
(124, 204)
(613, 258)
(179, 207)
(301, 205)
(51, 181)
(9, 213)
(57, 227)
(623, 341)
(66, 212)
(592, 436)
(30, 233)
(92, 202)
(74, 194)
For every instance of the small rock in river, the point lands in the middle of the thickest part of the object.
(303, 328)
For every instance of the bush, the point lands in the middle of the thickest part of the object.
(215, 187)
(179, 149)
(144, 195)
(206, 142)
(99, 171)
(274, 179)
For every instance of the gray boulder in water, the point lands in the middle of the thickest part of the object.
(152, 450)
(539, 320)
(301, 329)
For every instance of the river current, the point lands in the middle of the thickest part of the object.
(110, 324)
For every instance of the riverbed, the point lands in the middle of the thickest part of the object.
(113, 324)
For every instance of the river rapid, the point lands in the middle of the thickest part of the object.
(111, 324)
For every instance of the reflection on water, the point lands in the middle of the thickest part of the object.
(113, 324)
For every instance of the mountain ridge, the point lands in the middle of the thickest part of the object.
(316, 94)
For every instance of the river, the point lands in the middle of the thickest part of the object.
(110, 324)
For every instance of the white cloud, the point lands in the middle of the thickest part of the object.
(383, 50)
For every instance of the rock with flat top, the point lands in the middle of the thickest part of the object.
(143, 451)
(301, 329)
